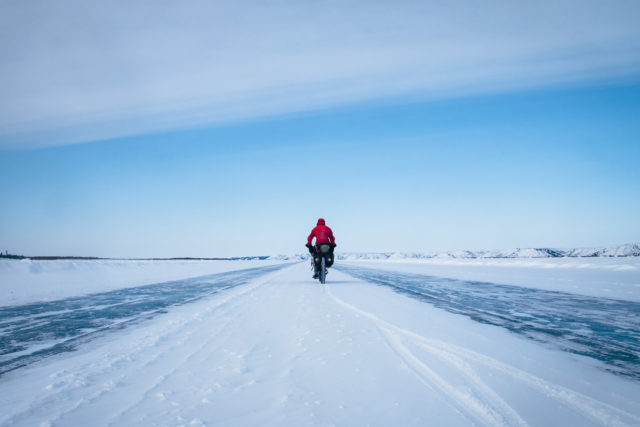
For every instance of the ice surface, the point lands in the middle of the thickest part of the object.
(283, 350)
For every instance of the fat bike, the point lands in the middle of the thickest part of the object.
(322, 259)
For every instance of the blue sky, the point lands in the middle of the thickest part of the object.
(501, 137)
(544, 168)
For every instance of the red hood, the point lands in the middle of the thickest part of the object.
(321, 221)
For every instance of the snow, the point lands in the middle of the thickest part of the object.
(27, 281)
(283, 350)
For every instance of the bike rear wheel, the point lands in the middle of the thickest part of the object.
(323, 270)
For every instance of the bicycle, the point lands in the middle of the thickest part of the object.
(322, 258)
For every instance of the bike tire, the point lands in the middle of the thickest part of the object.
(323, 270)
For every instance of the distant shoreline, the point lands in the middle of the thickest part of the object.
(624, 250)
(85, 258)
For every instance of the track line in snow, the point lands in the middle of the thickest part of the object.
(484, 406)
(471, 406)
(193, 352)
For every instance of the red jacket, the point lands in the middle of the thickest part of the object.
(322, 233)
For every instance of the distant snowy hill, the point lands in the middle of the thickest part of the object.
(621, 250)
(629, 249)
(296, 257)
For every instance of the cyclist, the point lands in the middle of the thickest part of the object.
(323, 235)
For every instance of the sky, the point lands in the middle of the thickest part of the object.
(228, 128)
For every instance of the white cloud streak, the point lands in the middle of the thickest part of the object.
(75, 71)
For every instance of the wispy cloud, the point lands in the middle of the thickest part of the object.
(76, 71)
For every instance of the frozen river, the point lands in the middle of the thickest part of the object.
(271, 346)
(600, 328)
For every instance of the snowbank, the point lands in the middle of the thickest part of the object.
(26, 281)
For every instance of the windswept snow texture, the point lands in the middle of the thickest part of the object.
(605, 329)
(34, 331)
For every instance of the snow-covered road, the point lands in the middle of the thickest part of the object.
(283, 350)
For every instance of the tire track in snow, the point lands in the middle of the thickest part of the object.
(478, 408)
(211, 337)
(485, 406)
